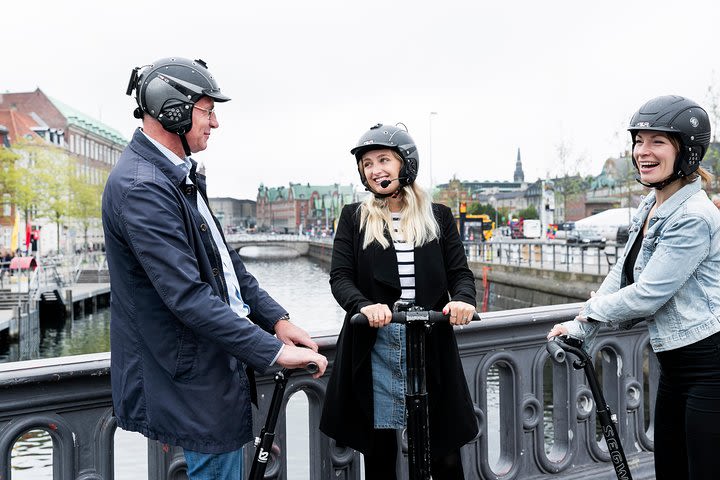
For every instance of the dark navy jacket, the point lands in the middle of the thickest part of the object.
(177, 348)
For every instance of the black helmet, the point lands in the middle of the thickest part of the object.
(168, 89)
(682, 117)
(387, 136)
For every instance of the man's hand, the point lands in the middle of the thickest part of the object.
(291, 334)
(298, 357)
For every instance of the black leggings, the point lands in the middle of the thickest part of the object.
(380, 463)
(687, 412)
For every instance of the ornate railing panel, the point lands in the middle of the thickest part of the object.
(536, 418)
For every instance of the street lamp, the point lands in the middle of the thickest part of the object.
(430, 121)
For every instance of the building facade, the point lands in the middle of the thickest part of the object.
(92, 148)
(235, 215)
(302, 208)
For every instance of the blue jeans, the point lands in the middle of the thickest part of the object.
(209, 466)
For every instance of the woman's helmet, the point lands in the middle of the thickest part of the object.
(168, 89)
(387, 136)
(686, 120)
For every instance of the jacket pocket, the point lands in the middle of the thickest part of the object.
(186, 355)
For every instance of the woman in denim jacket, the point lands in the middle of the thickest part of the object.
(669, 276)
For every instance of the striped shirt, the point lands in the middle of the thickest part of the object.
(388, 356)
(406, 260)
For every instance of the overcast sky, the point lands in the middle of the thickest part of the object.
(308, 77)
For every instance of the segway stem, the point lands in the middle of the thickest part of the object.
(417, 324)
(557, 347)
(264, 442)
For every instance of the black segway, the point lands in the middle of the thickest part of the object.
(557, 348)
(417, 323)
(264, 442)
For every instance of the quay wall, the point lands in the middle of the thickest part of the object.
(505, 287)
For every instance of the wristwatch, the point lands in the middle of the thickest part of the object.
(284, 317)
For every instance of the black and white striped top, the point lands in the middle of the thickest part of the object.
(406, 260)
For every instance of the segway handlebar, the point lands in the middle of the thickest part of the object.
(559, 346)
(312, 368)
(427, 316)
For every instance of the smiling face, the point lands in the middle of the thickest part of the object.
(379, 165)
(655, 154)
(203, 121)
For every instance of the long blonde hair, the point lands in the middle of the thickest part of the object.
(417, 222)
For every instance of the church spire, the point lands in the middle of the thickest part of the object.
(519, 176)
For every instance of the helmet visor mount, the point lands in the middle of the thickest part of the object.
(168, 89)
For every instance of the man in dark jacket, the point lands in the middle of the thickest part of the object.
(187, 317)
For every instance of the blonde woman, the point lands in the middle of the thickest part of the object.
(397, 245)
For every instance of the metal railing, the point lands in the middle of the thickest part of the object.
(546, 255)
(536, 418)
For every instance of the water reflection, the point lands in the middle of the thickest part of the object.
(299, 284)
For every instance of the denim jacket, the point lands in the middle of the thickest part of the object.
(676, 287)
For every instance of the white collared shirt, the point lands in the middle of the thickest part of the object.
(231, 280)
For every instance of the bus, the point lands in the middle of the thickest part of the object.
(476, 227)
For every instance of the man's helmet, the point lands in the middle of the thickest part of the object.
(683, 118)
(168, 89)
(387, 136)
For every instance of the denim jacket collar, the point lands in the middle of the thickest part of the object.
(678, 198)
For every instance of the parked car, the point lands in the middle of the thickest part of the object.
(564, 230)
(585, 239)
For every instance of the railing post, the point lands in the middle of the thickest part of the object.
(14, 326)
(69, 307)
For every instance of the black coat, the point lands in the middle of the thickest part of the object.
(363, 277)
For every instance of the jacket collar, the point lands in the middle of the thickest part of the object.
(678, 198)
(145, 148)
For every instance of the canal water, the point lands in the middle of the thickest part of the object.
(300, 284)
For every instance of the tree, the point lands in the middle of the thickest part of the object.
(528, 213)
(53, 174)
(86, 202)
(477, 208)
(568, 181)
(8, 171)
(23, 186)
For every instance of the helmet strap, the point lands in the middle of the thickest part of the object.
(658, 185)
(185, 145)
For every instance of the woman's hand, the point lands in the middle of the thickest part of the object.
(461, 313)
(378, 315)
(557, 330)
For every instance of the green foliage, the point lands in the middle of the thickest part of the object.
(478, 209)
(8, 171)
(528, 213)
(44, 179)
(86, 202)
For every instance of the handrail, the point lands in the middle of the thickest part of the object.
(546, 255)
(545, 410)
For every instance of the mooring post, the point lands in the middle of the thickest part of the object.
(69, 304)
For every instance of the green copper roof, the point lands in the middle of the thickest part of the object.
(79, 119)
